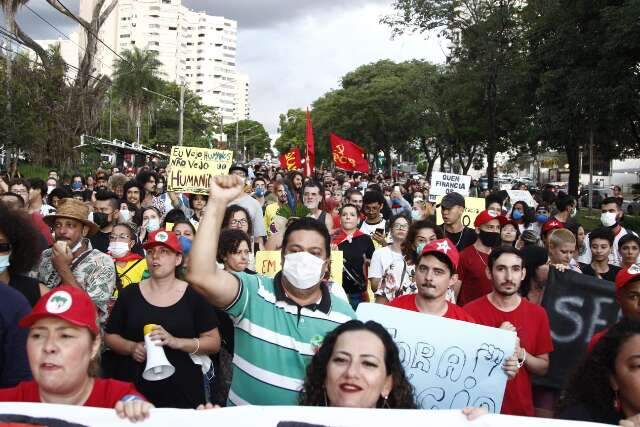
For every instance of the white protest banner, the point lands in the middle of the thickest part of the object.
(191, 168)
(521, 196)
(268, 416)
(443, 183)
(451, 364)
(472, 208)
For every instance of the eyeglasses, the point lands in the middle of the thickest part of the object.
(239, 222)
(400, 226)
(5, 247)
(114, 237)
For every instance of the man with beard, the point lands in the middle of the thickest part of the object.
(436, 271)
(312, 197)
(610, 218)
(105, 215)
(134, 193)
(473, 281)
(71, 260)
(504, 308)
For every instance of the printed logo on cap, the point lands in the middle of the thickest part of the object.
(492, 213)
(162, 237)
(634, 269)
(443, 247)
(59, 302)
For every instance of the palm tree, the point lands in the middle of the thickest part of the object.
(136, 69)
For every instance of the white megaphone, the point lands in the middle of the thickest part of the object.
(158, 367)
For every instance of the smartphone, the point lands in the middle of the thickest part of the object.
(380, 231)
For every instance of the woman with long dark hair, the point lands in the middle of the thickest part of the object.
(606, 386)
(382, 382)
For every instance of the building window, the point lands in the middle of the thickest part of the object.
(173, 28)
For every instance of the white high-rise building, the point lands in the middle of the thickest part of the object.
(194, 48)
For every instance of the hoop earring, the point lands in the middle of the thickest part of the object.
(326, 400)
(616, 401)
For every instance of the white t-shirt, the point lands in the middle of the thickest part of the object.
(381, 260)
(369, 229)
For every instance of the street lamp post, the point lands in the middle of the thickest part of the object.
(181, 104)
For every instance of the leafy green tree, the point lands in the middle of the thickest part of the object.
(136, 70)
(252, 141)
(292, 128)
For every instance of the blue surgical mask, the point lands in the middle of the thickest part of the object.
(4, 263)
(260, 192)
(76, 186)
(416, 215)
(152, 225)
(420, 247)
(517, 215)
(185, 244)
(542, 218)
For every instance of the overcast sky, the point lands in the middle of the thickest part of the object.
(293, 50)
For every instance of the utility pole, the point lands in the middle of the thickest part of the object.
(110, 113)
(237, 131)
(181, 106)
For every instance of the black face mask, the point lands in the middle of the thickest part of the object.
(491, 240)
(101, 219)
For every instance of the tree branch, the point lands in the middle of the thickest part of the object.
(59, 8)
(42, 54)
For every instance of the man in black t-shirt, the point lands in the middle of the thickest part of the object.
(601, 244)
(452, 206)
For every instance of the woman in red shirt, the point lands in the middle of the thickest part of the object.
(63, 346)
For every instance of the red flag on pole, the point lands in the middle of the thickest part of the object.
(310, 158)
(347, 155)
(291, 160)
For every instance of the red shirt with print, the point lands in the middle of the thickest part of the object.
(472, 274)
(408, 302)
(105, 394)
(532, 325)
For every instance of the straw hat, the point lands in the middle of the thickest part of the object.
(72, 209)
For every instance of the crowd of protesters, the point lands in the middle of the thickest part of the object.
(89, 265)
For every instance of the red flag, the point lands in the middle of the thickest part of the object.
(347, 155)
(310, 158)
(291, 160)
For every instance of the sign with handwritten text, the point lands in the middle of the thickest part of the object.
(444, 183)
(191, 168)
(268, 264)
(450, 363)
(473, 207)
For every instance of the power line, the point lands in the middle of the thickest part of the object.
(75, 18)
(9, 35)
(63, 34)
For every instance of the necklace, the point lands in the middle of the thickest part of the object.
(444, 231)
(479, 256)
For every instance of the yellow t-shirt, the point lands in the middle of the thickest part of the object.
(269, 214)
(134, 275)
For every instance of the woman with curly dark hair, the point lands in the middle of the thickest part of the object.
(20, 249)
(357, 366)
(606, 387)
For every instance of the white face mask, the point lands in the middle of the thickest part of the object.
(50, 188)
(608, 219)
(153, 224)
(118, 249)
(4, 263)
(302, 269)
(125, 215)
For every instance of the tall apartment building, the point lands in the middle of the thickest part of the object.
(194, 48)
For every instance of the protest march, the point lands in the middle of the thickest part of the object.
(207, 226)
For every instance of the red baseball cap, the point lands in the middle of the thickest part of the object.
(130, 170)
(68, 303)
(626, 276)
(551, 225)
(164, 238)
(486, 216)
(446, 247)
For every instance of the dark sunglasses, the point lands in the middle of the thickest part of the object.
(5, 247)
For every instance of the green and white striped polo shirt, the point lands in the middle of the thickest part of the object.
(275, 339)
